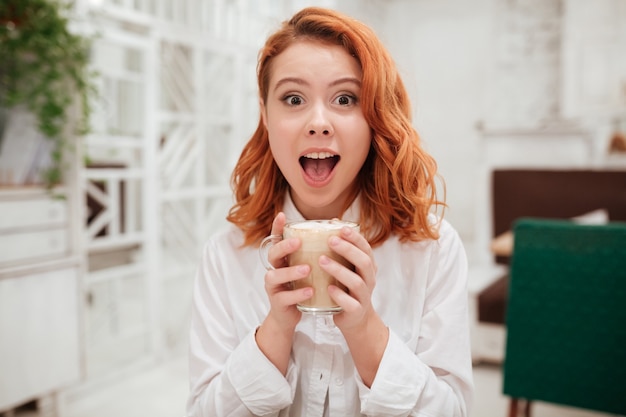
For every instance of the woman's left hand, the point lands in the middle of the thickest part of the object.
(357, 302)
(363, 329)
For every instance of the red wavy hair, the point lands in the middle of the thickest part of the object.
(397, 182)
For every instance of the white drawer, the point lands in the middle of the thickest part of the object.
(32, 212)
(23, 246)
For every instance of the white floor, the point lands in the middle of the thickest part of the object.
(162, 392)
(158, 392)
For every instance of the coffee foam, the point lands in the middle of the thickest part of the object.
(320, 225)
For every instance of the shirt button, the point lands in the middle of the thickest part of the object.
(338, 382)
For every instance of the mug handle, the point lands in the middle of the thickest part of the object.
(266, 244)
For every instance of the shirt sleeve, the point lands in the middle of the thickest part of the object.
(228, 376)
(436, 378)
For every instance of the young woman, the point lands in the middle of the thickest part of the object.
(334, 140)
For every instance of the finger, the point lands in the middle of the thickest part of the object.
(363, 261)
(357, 239)
(356, 285)
(279, 224)
(292, 297)
(276, 233)
(278, 253)
(277, 278)
(343, 299)
(280, 291)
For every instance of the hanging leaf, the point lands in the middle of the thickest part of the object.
(44, 67)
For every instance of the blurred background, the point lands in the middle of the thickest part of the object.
(95, 286)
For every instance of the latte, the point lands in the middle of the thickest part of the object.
(314, 235)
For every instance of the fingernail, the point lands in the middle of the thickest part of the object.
(324, 260)
(334, 241)
(303, 269)
(308, 292)
(346, 231)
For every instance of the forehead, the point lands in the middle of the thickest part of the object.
(314, 60)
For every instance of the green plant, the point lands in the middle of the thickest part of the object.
(45, 68)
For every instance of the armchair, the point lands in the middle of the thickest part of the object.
(566, 316)
(540, 193)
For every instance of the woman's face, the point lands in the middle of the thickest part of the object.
(317, 132)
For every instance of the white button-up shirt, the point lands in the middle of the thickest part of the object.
(420, 294)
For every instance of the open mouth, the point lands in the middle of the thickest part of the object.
(319, 165)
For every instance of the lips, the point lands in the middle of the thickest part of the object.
(318, 166)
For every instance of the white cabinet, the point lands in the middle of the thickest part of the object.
(39, 351)
(40, 347)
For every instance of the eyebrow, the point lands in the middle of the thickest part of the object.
(300, 81)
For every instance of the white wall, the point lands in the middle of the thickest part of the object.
(476, 67)
(442, 50)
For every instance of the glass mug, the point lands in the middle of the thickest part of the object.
(314, 235)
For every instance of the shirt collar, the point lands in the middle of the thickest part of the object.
(292, 214)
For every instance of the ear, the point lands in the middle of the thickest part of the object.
(263, 112)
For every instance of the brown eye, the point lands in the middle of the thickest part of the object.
(293, 100)
(345, 100)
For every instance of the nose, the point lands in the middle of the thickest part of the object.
(325, 132)
(319, 123)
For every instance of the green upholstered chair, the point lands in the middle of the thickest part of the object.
(566, 316)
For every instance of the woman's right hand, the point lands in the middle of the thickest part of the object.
(274, 337)
(282, 297)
